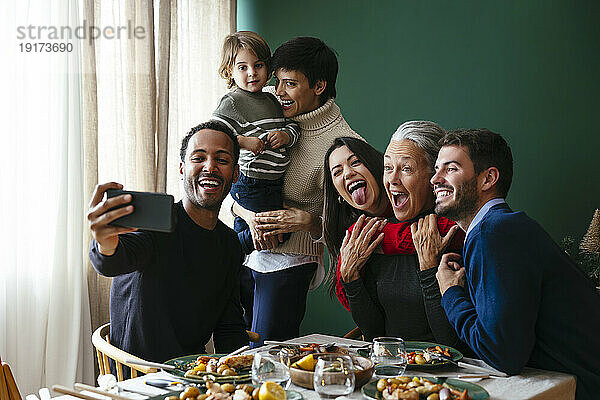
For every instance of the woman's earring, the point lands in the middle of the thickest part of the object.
(340, 200)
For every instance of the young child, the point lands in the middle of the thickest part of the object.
(262, 132)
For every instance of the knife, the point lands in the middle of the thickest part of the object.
(233, 353)
(166, 367)
(488, 371)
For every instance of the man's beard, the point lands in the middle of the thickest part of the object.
(465, 204)
(208, 203)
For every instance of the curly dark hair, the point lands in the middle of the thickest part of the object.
(215, 126)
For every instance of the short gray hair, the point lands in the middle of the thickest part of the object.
(425, 134)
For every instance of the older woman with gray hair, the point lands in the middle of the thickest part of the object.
(396, 293)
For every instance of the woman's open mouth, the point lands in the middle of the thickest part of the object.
(287, 104)
(399, 199)
(358, 191)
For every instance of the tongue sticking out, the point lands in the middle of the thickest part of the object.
(400, 199)
(360, 195)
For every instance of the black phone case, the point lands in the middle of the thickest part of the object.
(151, 211)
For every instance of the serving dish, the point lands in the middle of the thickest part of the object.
(474, 391)
(362, 374)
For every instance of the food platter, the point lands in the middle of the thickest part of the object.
(420, 347)
(243, 376)
(474, 391)
(290, 394)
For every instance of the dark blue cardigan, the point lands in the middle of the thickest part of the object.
(526, 302)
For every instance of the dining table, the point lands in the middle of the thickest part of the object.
(531, 383)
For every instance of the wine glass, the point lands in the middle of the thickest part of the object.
(389, 356)
(285, 357)
(334, 376)
(268, 367)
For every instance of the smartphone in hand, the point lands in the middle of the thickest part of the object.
(151, 211)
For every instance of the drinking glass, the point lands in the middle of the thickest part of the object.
(389, 356)
(285, 357)
(268, 367)
(334, 376)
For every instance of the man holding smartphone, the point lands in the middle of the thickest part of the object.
(172, 290)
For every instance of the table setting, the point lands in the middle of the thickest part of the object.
(347, 369)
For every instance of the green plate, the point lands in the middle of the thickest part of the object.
(476, 392)
(291, 394)
(414, 346)
(244, 377)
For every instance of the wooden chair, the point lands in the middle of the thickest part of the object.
(253, 336)
(106, 351)
(8, 386)
(354, 334)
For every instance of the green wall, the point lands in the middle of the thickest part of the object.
(528, 70)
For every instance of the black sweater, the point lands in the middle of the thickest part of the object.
(171, 291)
(395, 298)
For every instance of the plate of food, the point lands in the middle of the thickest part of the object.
(301, 350)
(200, 367)
(415, 388)
(426, 355)
(229, 391)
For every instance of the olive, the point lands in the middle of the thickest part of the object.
(190, 392)
(419, 359)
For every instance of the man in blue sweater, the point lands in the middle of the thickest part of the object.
(519, 299)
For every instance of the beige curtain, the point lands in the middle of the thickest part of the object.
(141, 95)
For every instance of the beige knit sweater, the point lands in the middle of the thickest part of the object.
(303, 181)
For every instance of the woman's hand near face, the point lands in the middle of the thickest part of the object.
(290, 219)
(428, 242)
(358, 246)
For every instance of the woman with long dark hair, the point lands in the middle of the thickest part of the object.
(363, 166)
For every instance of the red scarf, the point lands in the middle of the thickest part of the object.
(398, 240)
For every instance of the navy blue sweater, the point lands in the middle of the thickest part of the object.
(171, 291)
(526, 302)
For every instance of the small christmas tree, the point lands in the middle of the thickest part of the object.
(590, 246)
(587, 256)
(591, 240)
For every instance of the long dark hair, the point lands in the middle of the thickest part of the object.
(337, 218)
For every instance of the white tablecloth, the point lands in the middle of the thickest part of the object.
(530, 384)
